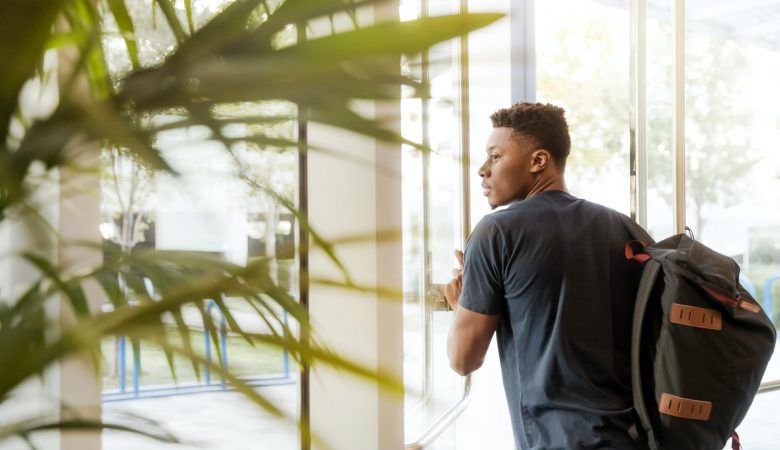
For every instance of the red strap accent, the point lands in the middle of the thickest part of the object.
(726, 300)
(735, 444)
(631, 253)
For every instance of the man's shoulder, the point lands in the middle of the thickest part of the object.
(488, 226)
(631, 229)
(535, 211)
(604, 210)
(506, 220)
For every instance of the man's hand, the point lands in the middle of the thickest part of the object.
(453, 288)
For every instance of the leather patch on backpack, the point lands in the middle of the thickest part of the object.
(747, 306)
(685, 408)
(693, 316)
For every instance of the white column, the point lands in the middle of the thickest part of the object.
(69, 203)
(349, 198)
(75, 381)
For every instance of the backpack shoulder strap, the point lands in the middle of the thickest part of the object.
(649, 276)
(636, 231)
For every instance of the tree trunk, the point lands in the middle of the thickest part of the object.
(271, 224)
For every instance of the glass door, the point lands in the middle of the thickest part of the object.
(611, 65)
(433, 228)
(732, 177)
(582, 63)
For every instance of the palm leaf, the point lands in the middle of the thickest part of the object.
(186, 339)
(26, 26)
(129, 423)
(169, 12)
(127, 29)
(382, 291)
(73, 291)
(83, 18)
(188, 11)
(233, 58)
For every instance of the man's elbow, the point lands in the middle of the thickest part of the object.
(463, 366)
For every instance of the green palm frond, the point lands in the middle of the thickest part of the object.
(244, 55)
(127, 28)
(128, 423)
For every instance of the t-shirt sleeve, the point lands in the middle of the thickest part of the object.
(483, 284)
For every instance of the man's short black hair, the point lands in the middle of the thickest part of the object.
(544, 123)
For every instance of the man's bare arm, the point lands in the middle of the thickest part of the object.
(470, 333)
(469, 339)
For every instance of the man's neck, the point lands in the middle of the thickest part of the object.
(555, 183)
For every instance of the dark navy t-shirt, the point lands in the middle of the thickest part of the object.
(554, 266)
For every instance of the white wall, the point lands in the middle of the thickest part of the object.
(204, 208)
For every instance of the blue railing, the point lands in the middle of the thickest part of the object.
(748, 284)
(222, 342)
(768, 284)
(768, 294)
(207, 386)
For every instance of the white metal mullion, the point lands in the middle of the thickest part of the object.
(678, 133)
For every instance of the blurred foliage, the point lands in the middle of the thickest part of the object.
(203, 71)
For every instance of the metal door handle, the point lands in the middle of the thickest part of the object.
(435, 430)
(769, 386)
(436, 296)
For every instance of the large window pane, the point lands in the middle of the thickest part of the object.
(208, 208)
(732, 130)
(732, 69)
(582, 65)
(432, 220)
(659, 118)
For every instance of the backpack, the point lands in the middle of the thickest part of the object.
(699, 347)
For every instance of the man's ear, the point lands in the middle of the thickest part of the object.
(540, 159)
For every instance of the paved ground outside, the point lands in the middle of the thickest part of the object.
(218, 420)
(227, 421)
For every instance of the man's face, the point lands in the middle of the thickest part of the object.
(506, 174)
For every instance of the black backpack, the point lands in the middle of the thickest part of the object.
(699, 347)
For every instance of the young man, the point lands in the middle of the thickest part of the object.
(547, 274)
